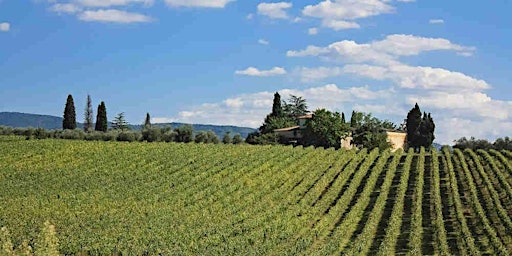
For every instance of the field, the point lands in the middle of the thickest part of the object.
(109, 198)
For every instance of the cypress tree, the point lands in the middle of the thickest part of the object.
(101, 118)
(343, 117)
(277, 109)
(88, 121)
(412, 124)
(147, 122)
(69, 121)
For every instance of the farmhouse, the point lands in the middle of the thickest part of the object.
(294, 134)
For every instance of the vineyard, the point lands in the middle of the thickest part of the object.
(109, 198)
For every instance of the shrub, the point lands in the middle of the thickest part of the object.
(129, 136)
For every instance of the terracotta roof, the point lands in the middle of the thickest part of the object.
(306, 116)
(287, 129)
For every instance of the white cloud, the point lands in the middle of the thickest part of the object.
(249, 16)
(313, 31)
(66, 8)
(109, 3)
(5, 26)
(114, 16)
(339, 24)
(274, 10)
(450, 128)
(436, 21)
(308, 75)
(419, 77)
(263, 41)
(161, 120)
(340, 14)
(199, 3)
(252, 71)
(386, 51)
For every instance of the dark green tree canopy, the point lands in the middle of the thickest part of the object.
(69, 121)
(420, 129)
(101, 118)
(277, 109)
(325, 129)
(184, 133)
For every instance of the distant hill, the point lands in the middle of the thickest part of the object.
(23, 120)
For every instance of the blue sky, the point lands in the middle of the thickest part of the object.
(220, 61)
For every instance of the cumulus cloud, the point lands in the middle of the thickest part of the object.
(66, 8)
(109, 3)
(114, 16)
(341, 14)
(340, 24)
(252, 71)
(5, 26)
(274, 10)
(386, 51)
(419, 77)
(199, 3)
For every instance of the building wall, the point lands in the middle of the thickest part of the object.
(397, 140)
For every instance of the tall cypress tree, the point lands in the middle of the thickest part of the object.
(277, 108)
(412, 124)
(88, 115)
(147, 122)
(101, 118)
(343, 117)
(69, 121)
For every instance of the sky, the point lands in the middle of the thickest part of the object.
(220, 61)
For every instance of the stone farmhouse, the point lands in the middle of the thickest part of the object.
(293, 134)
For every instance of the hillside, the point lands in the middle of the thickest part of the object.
(204, 199)
(21, 120)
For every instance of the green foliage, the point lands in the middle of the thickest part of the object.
(151, 134)
(325, 129)
(47, 242)
(277, 109)
(88, 115)
(356, 119)
(370, 132)
(420, 130)
(120, 123)
(202, 199)
(474, 144)
(184, 133)
(274, 122)
(237, 139)
(69, 121)
(101, 118)
(295, 107)
(129, 136)
(226, 139)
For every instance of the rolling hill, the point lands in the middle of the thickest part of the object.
(22, 120)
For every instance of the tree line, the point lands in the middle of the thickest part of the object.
(474, 144)
(119, 130)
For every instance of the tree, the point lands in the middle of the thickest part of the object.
(184, 133)
(69, 121)
(356, 119)
(325, 129)
(147, 122)
(412, 125)
(227, 138)
(276, 119)
(295, 107)
(88, 115)
(237, 139)
(343, 117)
(277, 109)
(420, 129)
(101, 118)
(371, 132)
(120, 123)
